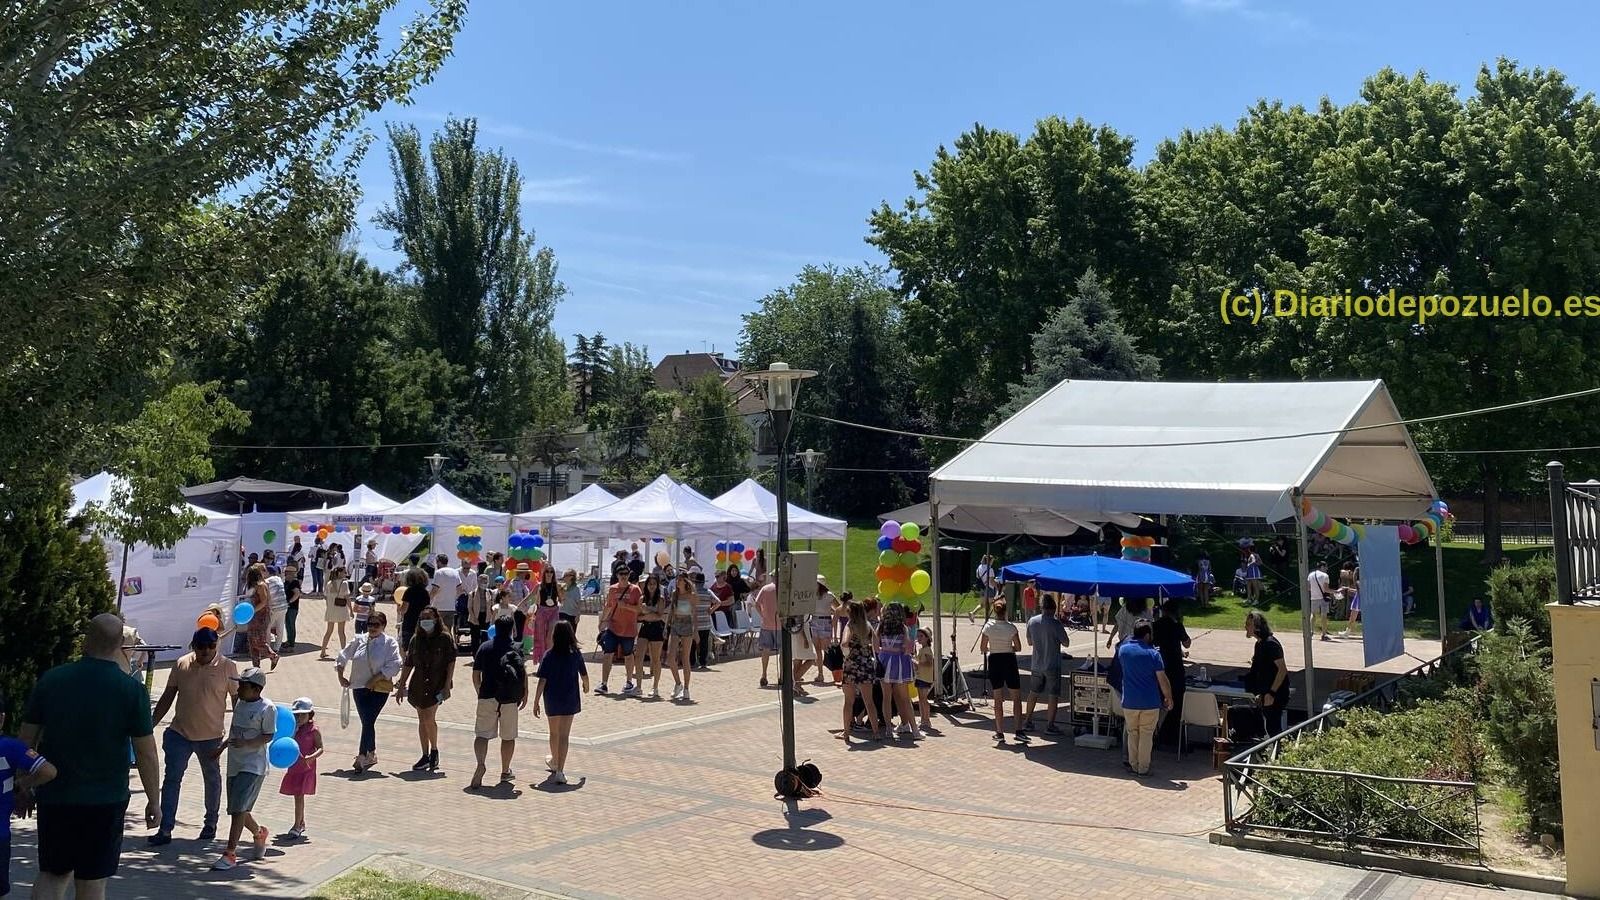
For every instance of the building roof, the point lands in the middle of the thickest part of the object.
(677, 370)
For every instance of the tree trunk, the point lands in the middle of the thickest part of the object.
(1492, 549)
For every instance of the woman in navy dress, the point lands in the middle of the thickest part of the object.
(561, 674)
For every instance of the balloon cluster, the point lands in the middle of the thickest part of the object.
(899, 560)
(284, 751)
(1415, 532)
(730, 552)
(1137, 547)
(526, 551)
(469, 543)
(325, 529)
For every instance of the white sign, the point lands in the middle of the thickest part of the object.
(797, 583)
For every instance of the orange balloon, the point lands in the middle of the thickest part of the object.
(882, 573)
(208, 621)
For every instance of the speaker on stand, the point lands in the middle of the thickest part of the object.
(955, 570)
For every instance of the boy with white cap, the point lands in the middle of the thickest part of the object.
(255, 723)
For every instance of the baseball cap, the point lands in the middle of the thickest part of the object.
(302, 704)
(821, 578)
(204, 637)
(253, 675)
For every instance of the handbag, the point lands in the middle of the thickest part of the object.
(344, 709)
(833, 657)
(380, 684)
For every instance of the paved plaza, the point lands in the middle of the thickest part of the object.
(675, 800)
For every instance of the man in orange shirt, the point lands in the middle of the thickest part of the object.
(619, 626)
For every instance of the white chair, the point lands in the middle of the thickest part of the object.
(1201, 710)
(722, 631)
(747, 624)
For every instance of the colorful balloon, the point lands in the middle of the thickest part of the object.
(886, 589)
(885, 543)
(749, 555)
(208, 621)
(243, 613)
(920, 582)
(888, 558)
(283, 752)
(910, 531)
(910, 560)
(284, 721)
(890, 529)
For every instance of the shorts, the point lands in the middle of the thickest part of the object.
(611, 642)
(1319, 607)
(770, 641)
(1003, 672)
(1047, 684)
(1355, 601)
(922, 685)
(242, 791)
(85, 841)
(683, 629)
(822, 627)
(496, 718)
(652, 632)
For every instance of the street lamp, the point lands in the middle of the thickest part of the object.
(810, 459)
(781, 383)
(435, 464)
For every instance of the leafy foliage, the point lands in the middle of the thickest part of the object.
(1082, 339)
(1521, 593)
(634, 441)
(1518, 705)
(710, 444)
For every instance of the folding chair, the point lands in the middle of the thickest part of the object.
(748, 620)
(723, 632)
(1200, 710)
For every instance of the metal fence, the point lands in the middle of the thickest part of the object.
(1354, 809)
(1575, 520)
(1511, 533)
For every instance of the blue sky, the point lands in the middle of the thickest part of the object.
(683, 159)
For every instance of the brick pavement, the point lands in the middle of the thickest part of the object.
(676, 800)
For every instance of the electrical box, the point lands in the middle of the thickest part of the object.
(797, 583)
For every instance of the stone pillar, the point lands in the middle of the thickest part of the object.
(1575, 640)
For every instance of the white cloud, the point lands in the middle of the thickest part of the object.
(574, 190)
(514, 132)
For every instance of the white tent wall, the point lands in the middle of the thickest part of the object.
(578, 555)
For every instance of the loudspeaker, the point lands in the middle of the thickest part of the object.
(1161, 555)
(955, 570)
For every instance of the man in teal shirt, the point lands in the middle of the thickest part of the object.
(81, 717)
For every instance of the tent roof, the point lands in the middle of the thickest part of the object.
(99, 488)
(265, 496)
(995, 523)
(363, 501)
(1104, 575)
(662, 507)
(749, 497)
(438, 501)
(1196, 449)
(590, 498)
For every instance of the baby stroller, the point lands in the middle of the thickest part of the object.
(387, 581)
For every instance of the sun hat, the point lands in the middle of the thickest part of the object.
(366, 587)
(302, 705)
(253, 675)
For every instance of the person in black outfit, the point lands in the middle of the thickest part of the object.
(636, 566)
(1268, 677)
(1172, 639)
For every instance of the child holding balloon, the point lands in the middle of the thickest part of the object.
(300, 779)
(254, 726)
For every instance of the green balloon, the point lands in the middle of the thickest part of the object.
(888, 558)
(909, 531)
(910, 560)
(269, 536)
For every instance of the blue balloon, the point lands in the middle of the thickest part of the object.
(283, 752)
(722, 545)
(491, 632)
(538, 542)
(885, 543)
(426, 529)
(243, 613)
(736, 547)
(285, 727)
(533, 531)
(659, 540)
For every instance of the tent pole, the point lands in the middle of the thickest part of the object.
(1305, 605)
(933, 558)
(123, 579)
(1438, 575)
(844, 560)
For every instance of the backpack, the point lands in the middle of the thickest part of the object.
(508, 678)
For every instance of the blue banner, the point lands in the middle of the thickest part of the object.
(1382, 619)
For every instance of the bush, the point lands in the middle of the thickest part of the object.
(1516, 694)
(55, 582)
(1434, 740)
(1522, 592)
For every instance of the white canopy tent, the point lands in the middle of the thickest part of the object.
(1244, 449)
(164, 590)
(573, 555)
(1040, 524)
(748, 497)
(444, 512)
(362, 515)
(662, 508)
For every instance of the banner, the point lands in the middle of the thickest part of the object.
(1382, 619)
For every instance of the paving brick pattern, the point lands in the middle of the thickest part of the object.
(671, 800)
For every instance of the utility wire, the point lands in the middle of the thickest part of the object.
(1470, 413)
(533, 436)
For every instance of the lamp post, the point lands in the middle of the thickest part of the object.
(435, 464)
(810, 459)
(781, 383)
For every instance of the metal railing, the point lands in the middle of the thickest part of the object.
(1512, 533)
(1575, 521)
(1351, 808)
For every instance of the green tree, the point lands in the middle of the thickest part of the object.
(630, 422)
(589, 371)
(709, 445)
(860, 478)
(156, 160)
(992, 244)
(327, 362)
(1083, 340)
(485, 295)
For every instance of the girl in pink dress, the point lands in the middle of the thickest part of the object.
(300, 779)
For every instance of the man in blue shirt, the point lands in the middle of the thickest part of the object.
(1145, 692)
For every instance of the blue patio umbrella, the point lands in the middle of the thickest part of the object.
(1103, 575)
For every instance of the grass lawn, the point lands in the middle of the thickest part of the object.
(1464, 575)
(365, 884)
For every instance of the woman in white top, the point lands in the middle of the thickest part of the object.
(336, 607)
(1133, 611)
(373, 661)
(1002, 643)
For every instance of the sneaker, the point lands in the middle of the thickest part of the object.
(1326, 638)
(763, 681)
(677, 692)
(420, 764)
(225, 862)
(550, 763)
(686, 698)
(508, 775)
(654, 694)
(999, 738)
(1026, 726)
(433, 760)
(260, 844)
(559, 777)
(602, 689)
(630, 688)
(1022, 737)
(1052, 728)
(208, 833)
(159, 839)
(298, 832)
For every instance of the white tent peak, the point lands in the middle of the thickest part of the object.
(661, 508)
(750, 498)
(362, 501)
(438, 501)
(1198, 449)
(100, 487)
(590, 498)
